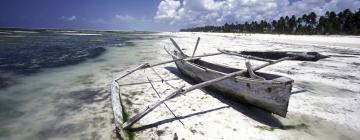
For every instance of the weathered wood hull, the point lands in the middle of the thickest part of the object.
(271, 95)
(274, 55)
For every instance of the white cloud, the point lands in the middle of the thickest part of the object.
(70, 18)
(125, 18)
(217, 12)
(168, 10)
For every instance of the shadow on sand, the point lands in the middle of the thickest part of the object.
(174, 119)
(252, 112)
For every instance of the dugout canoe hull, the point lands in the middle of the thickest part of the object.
(272, 94)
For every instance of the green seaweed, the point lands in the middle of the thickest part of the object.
(265, 128)
(283, 127)
(4, 133)
(289, 127)
(12, 38)
(126, 115)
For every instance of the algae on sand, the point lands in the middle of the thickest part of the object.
(283, 127)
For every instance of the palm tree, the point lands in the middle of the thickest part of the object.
(292, 24)
(357, 22)
(345, 22)
(348, 22)
(321, 25)
(274, 26)
(334, 25)
(299, 28)
(312, 22)
(281, 25)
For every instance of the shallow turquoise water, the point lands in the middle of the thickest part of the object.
(44, 97)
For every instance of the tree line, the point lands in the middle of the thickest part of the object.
(344, 22)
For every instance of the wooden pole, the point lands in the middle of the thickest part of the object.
(132, 70)
(147, 65)
(164, 103)
(117, 109)
(251, 72)
(151, 107)
(146, 82)
(180, 90)
(197, 43)
(162, 79)
(196, 57)
(177, 46)
(245, 56)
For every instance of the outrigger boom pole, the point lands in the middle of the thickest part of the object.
(147, 65)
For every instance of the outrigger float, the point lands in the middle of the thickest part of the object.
(267, 91)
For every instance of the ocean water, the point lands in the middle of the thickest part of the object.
(54, 84)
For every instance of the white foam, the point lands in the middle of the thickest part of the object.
(81, 34)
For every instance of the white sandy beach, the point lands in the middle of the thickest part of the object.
(327, 108)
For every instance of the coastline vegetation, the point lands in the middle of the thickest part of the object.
(343, 23)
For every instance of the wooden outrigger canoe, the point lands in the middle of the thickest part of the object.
(271, 93)
(267, 91)
(275, 55)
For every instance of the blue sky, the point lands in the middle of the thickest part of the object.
(98, 14)
(155, 15)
